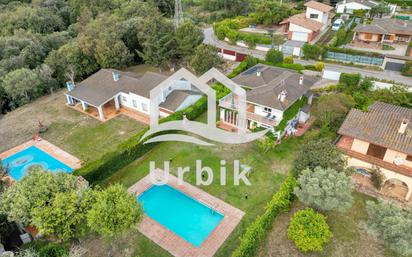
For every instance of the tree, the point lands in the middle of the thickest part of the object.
(320, 153)
(331, 109)
(391, 224)
(309, 231)
(188, 37)
(36, 189)
(112, 53)
(205, 58)
(271, 12)
(325, 189)
(379, 10)
(158, 41)
(65, 216)
(274, 56)
(114, 211)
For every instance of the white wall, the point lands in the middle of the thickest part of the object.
(350, 7)
(294, 27)
(259, 110)
(139, 100)
(321, 15)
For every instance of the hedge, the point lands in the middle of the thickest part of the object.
(353, 52)
(256, 231)
(132, 148)
(291, 112)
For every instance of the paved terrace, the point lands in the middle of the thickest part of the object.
(173, 243)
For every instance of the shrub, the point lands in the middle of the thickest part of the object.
(47, 249)
(274, 56)
(312, 51)
(319, 66)
(309, 230)
(350, 79)
(232, 35)
(377, 178)
(288, 60)
(255, 233)
(251, 61)
(407, 69)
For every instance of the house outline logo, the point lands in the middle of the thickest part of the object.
(184, 79)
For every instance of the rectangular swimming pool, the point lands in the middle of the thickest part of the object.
(32, 156)
(183, 215)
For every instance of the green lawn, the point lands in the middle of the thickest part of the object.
(349, 236)
(269, 172)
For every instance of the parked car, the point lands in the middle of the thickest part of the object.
(337, 24)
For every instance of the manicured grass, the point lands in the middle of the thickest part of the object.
(269, 170)
(349, 236)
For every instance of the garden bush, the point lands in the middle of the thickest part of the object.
(350, 79)
(288, 60)
(319, 66)
(312, 51)
(274, 56)
(309, 231)
(407, 69)
(47, 249)
(255, 233)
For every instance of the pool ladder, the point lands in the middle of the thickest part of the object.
(213, 209)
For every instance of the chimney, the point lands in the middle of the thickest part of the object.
(258, 73)
(70, 85)
(404, 125)
(116, 75)
(282, 96)
(301, 80)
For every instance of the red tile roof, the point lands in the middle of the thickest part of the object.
(319, 6)
(301, 20)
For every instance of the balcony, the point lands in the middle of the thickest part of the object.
(231, 103)
(345, 144)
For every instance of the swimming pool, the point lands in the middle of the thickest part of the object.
(186, 217)
(20, 162)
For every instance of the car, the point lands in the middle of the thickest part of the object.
(337, 24)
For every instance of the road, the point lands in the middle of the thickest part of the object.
(210, 39)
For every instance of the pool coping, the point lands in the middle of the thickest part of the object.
(173, 243)
(48, 148)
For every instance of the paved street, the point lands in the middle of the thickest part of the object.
(211, 39)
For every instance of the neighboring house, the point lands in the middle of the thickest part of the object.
(270, 92)
(110, 90)
(384, 31)
(380, 137)
(348, 6)
(307, 26)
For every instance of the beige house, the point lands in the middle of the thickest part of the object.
(381, 137)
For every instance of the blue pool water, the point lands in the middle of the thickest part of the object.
(20, 162)
(180, 213)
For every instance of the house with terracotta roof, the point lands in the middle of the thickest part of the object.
(307, 26)
(380, 137)
(383, 31)
(110, 91)
(270, 92)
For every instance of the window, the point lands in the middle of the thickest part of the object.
(314, 16)
(134, 103)
(409, 158)
(144, 107)
(387, 37)
(266, 109)
(124, 99)
(376, 151)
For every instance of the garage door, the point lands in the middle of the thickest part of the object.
(394, 66)
(300, 36)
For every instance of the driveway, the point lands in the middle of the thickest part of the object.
(210, 39)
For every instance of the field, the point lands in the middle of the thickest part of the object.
(81, 135)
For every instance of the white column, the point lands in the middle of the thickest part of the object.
(116, 102)
(84, 105)
(409, 194)
(101, 113)
(69, 100)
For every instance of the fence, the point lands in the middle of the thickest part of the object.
(342, 57)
